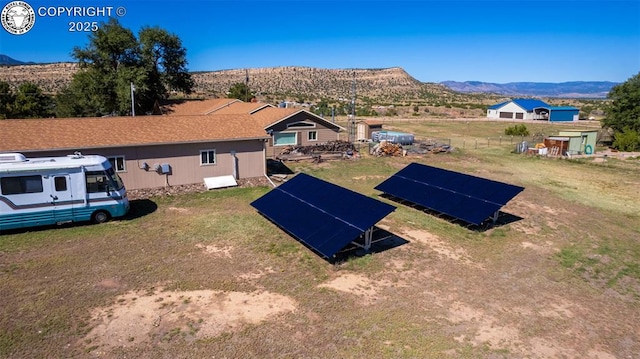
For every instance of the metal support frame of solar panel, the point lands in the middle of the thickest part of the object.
(323, 216)
(465, 197)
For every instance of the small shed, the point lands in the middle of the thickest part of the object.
(556, 146)
(364, 129)
(581, 142)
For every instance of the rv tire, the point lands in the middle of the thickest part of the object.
(100, 217)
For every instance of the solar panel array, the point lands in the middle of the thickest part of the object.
(324, 216)
(462, 196)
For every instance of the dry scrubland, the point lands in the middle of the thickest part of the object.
(204, 275)
(272, 84)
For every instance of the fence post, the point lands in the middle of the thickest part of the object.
(476, 143)
(487, 141)
(500, 143)
(463, 142)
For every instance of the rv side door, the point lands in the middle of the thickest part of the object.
(62, 198)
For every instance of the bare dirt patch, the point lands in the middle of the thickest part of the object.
(144, 317)
(369, 177)
(439, 246)
(364, 288)
(215, 250)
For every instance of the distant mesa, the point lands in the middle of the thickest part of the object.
(381, 84)
(574, 89)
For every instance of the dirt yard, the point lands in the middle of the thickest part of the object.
(203, 275)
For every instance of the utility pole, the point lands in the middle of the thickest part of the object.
(246, 82)
(352, 120)
(133, 103)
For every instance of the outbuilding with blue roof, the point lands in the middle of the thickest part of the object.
(532, 109)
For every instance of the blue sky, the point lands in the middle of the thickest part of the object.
(492, 41)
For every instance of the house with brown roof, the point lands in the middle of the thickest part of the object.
(291, 127)
(194, 147)
(285, 126)
(199, 139)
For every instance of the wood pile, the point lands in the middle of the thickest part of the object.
(318, 152)
(386, 148)
(331, 146)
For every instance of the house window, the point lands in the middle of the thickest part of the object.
(207, 157)
(118, 163)
(301, 124)
(285, 139)
(313, 136)
(519, 115)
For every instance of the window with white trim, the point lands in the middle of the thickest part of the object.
(285, 138)
(301, 124)
(207, 157)
(312, 136)
(118, 163)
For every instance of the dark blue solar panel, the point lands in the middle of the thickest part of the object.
(469, 198)
(324, 216)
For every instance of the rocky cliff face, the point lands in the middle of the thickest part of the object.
(278, 82)
(51, 78)
(314, 83)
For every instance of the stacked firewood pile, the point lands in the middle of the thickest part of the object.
(331, 146)
(331, 149)
(386, 148)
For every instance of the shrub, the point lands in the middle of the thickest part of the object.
(627, 140)
(517, 130)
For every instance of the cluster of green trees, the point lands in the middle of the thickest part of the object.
(112, 64)
(27, 101)
(115, 61)
(623, 114)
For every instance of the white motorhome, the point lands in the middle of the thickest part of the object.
(55, 190)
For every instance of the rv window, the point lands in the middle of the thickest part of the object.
(116, 180)
(60, 183)
(21, 184)
(97, 181)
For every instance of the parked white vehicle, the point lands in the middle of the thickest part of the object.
(55, 190)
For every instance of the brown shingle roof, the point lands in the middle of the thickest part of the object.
(197, 107)
(76, 133)
(241, 107)
(268, 116)
(272, 115)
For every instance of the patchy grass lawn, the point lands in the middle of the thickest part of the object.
(204, 275)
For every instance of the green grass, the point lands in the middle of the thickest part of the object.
(581, 218)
